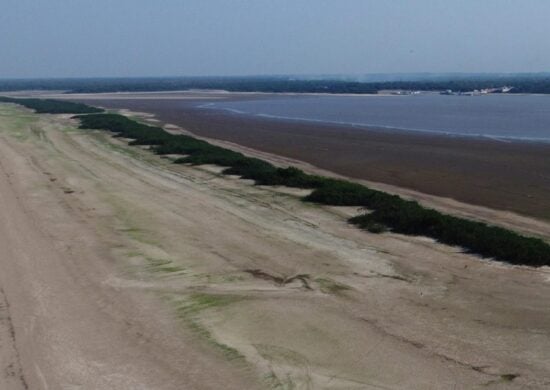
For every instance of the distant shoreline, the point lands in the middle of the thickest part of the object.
(216, 92)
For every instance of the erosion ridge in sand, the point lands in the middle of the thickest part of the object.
(123, 270)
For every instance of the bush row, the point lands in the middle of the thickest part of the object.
(388, 211)
(48, 106)
(408, 217)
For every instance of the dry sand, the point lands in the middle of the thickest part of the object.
(120, 270)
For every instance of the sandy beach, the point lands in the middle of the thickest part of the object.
(145, 274)
(510, 176)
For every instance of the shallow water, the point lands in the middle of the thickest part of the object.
(496, 116)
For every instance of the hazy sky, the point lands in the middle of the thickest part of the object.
(71, 38)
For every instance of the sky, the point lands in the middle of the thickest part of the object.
(118, 38)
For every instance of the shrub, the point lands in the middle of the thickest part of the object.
(49, 106)
(475, 237)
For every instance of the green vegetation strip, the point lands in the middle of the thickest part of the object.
(388, 211)
(48, 106)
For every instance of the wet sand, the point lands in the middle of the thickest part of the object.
(512, 176)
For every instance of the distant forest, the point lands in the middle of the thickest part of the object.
(526, 83)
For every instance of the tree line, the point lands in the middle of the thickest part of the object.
(50, 106)
(536, 83)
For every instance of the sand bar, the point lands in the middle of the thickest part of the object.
(145, 274)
